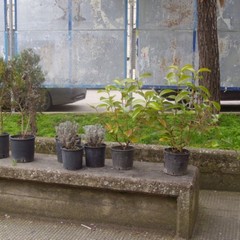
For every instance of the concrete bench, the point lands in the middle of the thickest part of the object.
(144, 197)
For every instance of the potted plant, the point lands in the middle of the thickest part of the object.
(178, 114)
(58, 147)
(94, 146)
(72, 151)
(122, 124)
(27, 97)
(4, 100)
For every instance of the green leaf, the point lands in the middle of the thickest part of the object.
(140, 84)
(130, 80)
(155, 106)
(141, 94)
(216, 105)
(102, 98)
(102, 105)
(145, 75)
(101, 91)
(188, 67)
(132, 88)
(184, 78)
(173, 67)
(182, 96)
(163, 123)
(166, 92)
(138, 102)
(203, 70)
(135, 113)
(118, 82)
(205, 90)
(129, 102)
(149, 94)
(171, 97)
(164, 139)
(171, 76)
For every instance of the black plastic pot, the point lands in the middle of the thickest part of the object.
(4, 145)
(59, 148)
(72, 159)
(122, 158)
(175, 164)
(95, 156)
(22, 148)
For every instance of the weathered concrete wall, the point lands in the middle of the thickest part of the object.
(78, 41)
(220, 170)
(89, 205)
(142, 197)
(166, 36)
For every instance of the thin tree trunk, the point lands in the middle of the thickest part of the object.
(208, 46)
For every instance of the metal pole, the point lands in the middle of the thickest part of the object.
(11, 38)
(11, 30)
(131, 39)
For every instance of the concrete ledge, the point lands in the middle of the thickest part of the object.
(142, 197)
(220, 169)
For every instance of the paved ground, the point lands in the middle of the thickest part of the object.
(82, 106)
(219, 219)
(93, 97)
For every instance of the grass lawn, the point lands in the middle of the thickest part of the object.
(225, 136)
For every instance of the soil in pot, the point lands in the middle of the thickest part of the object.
(22, 148)
(122, 158)
(4, 145)
(175, 163)
(72, 159)
(95, 156)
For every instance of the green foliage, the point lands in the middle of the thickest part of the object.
(27, 78)
(178, 114)
(225, 135)
(47, 122)
(120, 104)
(4, 91)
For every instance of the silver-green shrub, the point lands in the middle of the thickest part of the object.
(67, 134)
(94, 135)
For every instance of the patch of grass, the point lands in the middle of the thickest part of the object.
(229, 131)
(224, 136)
(48, 122)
